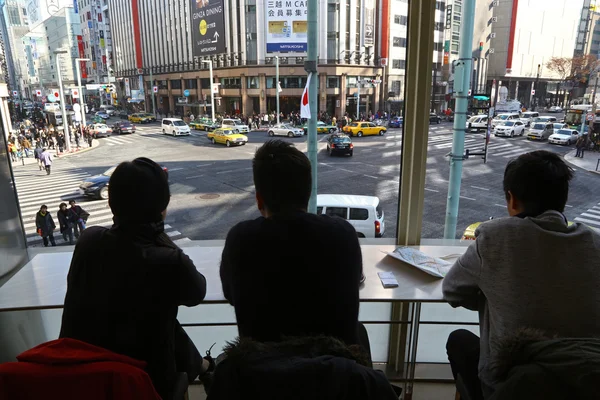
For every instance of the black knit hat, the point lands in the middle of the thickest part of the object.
(138, 191)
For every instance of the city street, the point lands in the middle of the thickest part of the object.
(212, 186)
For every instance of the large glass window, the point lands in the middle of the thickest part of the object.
(175, 84)
(333, 82)
(231, 83)
(253, 82)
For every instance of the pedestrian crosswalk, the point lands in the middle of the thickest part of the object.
(119, 140)
(591, 217)
(496, 148)
(35, 188)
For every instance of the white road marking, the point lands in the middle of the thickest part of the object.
(225, 172)
(500, 205)
(568, 206)
(467, 198)
(480, 188)
(175, 169)
(588, 221)
(195, 176)
(205, 165)
(432, 190)
(370, 176)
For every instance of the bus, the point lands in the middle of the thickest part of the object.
(576, 114)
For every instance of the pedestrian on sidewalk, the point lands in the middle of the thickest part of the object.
(45, 225)
(79, 217)
(26, 145)
(580, 145)
(46, 158)
(65, 222)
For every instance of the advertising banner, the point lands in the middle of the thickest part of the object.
(208, 27)
(82, 64)
(286, 29)
(127, 87)
(369, 32)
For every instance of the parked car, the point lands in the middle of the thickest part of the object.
(102, 114)
(174, 126)
(396, 122)
(203, 124)
(100, 130)
(285, 130)
(544, 119)
(122, 127)
(564, 136)
(477, 123)
(555, 109)
(364, 213)
(322, 127)
(363, 129)
(339, 144)
(510, 128)
(540, 131)
(528, 116)
(227, 137)
(235, 124)
(97, 186)
(140, 118)
(434, 118)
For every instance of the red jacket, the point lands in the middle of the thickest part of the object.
(68, 369)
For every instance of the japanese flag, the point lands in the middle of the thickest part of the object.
(304, 106)
(279, 89)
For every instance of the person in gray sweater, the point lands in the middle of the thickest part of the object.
(530, 270)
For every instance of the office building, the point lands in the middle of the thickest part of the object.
(96, 40)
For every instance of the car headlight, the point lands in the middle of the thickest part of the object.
(86, 184)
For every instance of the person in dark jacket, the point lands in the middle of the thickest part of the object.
(298, 368)
(79, 217)
(65, 222)
(37, 153)
(125, 283)
(45, 225)
(276, 289)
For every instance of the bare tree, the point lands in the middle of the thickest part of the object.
(562, 66)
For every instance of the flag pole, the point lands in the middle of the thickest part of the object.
(311, 67)
(277, 80)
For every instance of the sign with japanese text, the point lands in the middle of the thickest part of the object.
(287, 29)
(208, 27)
(369, 27)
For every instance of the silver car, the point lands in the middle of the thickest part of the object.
(285, 130)
(540, 131)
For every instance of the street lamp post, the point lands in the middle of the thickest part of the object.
(277, 80)
(62, 99)
(212, 97)
(81, 99)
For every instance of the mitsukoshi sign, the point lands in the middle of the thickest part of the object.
(286, 29)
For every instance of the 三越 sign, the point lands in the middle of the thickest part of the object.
(287, 29)
(208, 27)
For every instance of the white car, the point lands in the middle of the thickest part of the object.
(559, 125)
(175, 127)
(285, 130)
(564, 136)
(501, 118)
(555, 109)
(528, 117)
(100, 130)
(235, 125)
(510, 128)
(477, 122)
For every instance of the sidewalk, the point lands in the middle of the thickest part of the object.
(587, 163)
(31, 159)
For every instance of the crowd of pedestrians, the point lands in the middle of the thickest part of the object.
(71, 221)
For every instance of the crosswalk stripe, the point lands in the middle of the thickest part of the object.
(447, 145)
(588, 215)
(511, 151)
(591, 210)
(588, 221)
(501, 146)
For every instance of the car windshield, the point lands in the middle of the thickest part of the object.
(509, 123)
(558, 126)
(237, 122)
(539, 126)
(502, 117)
(125, 124)
(341, 139)
(100, 126)
(353, 124)
(564, 132)
(228, 132)
(109, 171)
(528, 115)
(178, 123)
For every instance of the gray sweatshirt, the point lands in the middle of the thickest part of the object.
(528, 272)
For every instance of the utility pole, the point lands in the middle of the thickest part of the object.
(66, 132)
(212, 94)
(461, 84)
(152, 92)
(81, 99)
(311, 67)
(537, 80)
(358, 98)
(277, 80)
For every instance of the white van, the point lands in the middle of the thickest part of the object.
(110, 110)
(363, 212)
(175, 127)
(504, 117)
(235, 125)
(52, 107)
(478, 123)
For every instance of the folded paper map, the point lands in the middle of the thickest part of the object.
(431, 265)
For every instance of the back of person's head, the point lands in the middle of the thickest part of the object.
(282, 177)
(539, 181)
(138, 191)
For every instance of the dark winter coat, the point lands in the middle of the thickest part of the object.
(45, 223)
(533, 365)
(64, 220)
(299, 368)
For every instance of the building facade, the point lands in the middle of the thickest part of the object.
(523, 45)
(153, 36)
(96, 41)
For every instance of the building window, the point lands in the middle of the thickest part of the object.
(333, 82)
(440, 5)
(396, 87)
(438, 46)
(231, 83)
(439, 26)
(176, 84)
(399, 42)
(400, 19)
(252, 82)
(351, 81)
(191, 84)
(399, 64)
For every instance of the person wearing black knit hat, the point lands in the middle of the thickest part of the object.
(125, 283)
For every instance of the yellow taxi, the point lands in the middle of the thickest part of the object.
(201, 124)
(227, 137)
(364, 129)
(140, 118)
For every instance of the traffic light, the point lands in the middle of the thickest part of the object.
(480, 46)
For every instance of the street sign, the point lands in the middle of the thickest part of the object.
(215, 88)
(51, 98)
(533, 92)
(186, 93)
(38, 93)
(76, 107)
(155, 89)
(208, 27)
(589, 117)
(182, 100)
(93, 86)
(469, 92)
